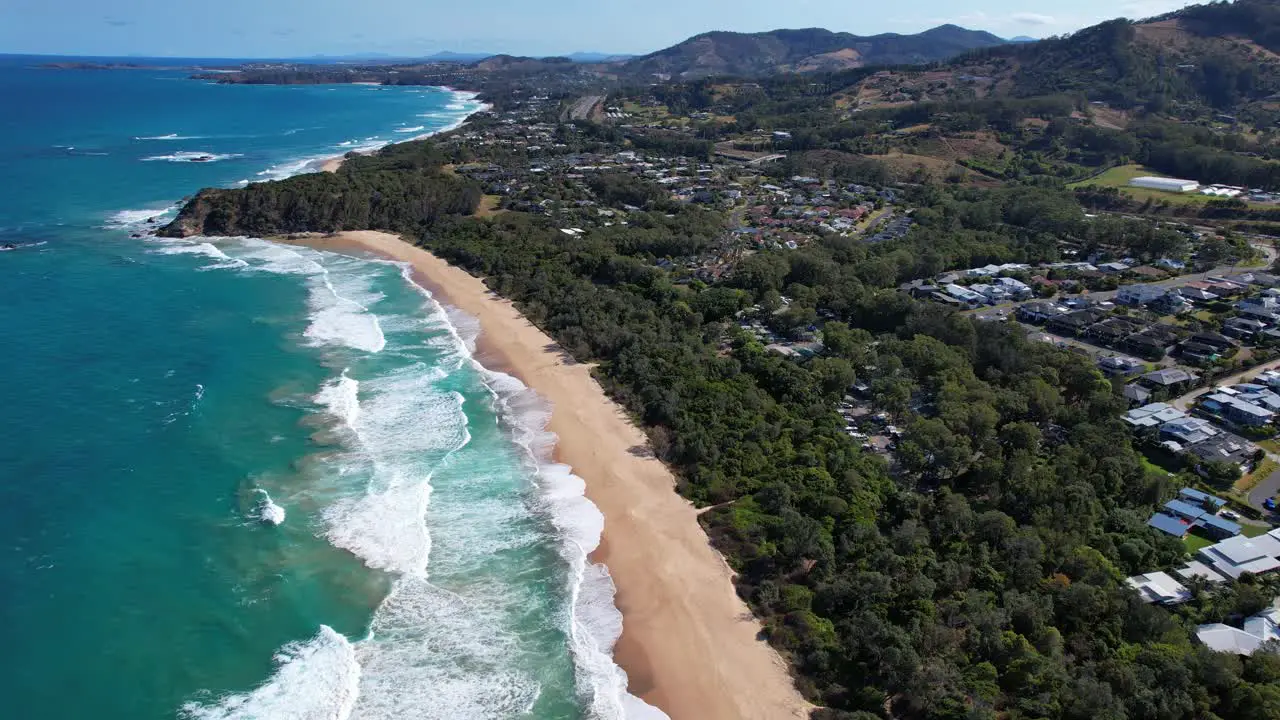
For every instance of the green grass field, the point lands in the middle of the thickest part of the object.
(1119, 177)
(1195, 542)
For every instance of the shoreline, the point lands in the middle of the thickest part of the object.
(334, 163)
(689, 645)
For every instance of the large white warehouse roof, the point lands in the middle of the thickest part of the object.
(1163, 183)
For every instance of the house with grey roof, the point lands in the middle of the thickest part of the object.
(1160, 588)
(1153, 415)
(1257, 631)
(1241, 554)
(1169, 378)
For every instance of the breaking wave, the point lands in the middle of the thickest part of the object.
(186, 156)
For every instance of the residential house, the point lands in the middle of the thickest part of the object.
(1039, 312)
(1188, 430)
(993, 294)
(1239, 555)
(1136, 394)
(1233, 408)
(1075, 322)
(1139, 294)
(1224, 447)
(1153, 415)
(1170, 303)
(1197, 569)
(1197, 295)
(1169, 378)
(1014, 288)
(1112, 268)
(1159, 587)
(1212, 503)
(1119, 365)
(1257, 631)
(964, 295)
(1195, 353)
(1270, 378)
(1242, 328)
(1266, 309)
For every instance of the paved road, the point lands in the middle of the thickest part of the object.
(581, 110)
(1269, 487)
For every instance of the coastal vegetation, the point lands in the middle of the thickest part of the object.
(978, 571)
(981, 578)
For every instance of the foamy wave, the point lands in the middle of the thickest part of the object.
(268, 511)
(414, 129)
(136, 218)
(171, 137)
(470, 676)
(204, 249)
(192, 157)
(314, 680)
(404, 428)
(289, 169)
(339, 318)
(594, 620)
(341, 398)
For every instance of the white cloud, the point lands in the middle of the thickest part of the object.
(1138, 9)
(1026, 18)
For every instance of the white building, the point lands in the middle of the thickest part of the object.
(1257, 630)
(1240, 554)
(1158, 587)
(1165, 184)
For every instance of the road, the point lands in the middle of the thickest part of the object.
(581, 109)
(1269, 487)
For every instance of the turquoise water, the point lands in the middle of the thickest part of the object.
(242, 480)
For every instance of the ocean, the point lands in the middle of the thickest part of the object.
(245, 480)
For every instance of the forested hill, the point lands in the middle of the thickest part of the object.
(401, 188)
(813, 49)
(1220, 55)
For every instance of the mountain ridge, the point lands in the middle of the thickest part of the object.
(804, 50)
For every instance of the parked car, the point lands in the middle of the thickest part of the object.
(1269, 503)
(1229, 515)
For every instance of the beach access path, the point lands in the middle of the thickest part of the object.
(689, 644)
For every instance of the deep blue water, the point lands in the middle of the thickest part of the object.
(161, 398)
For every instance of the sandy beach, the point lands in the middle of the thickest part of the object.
(689, 644)
(332, 164)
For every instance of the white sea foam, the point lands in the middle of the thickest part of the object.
(187, 156)
(341, 398)
(173, 136)
(340, 316)
(130, 219)
(414, 129)
(201, 247)
(314, 680)
(594, 620)
(268, 511)
(404, 427)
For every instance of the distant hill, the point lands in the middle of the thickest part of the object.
(1220, 57)
(1023, 39)
(597, 57)
(808, 50)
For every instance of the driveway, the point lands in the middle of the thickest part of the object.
(1269, 487)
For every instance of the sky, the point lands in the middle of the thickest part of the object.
(302, 28)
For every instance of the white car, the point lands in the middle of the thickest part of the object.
(1229, 515)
